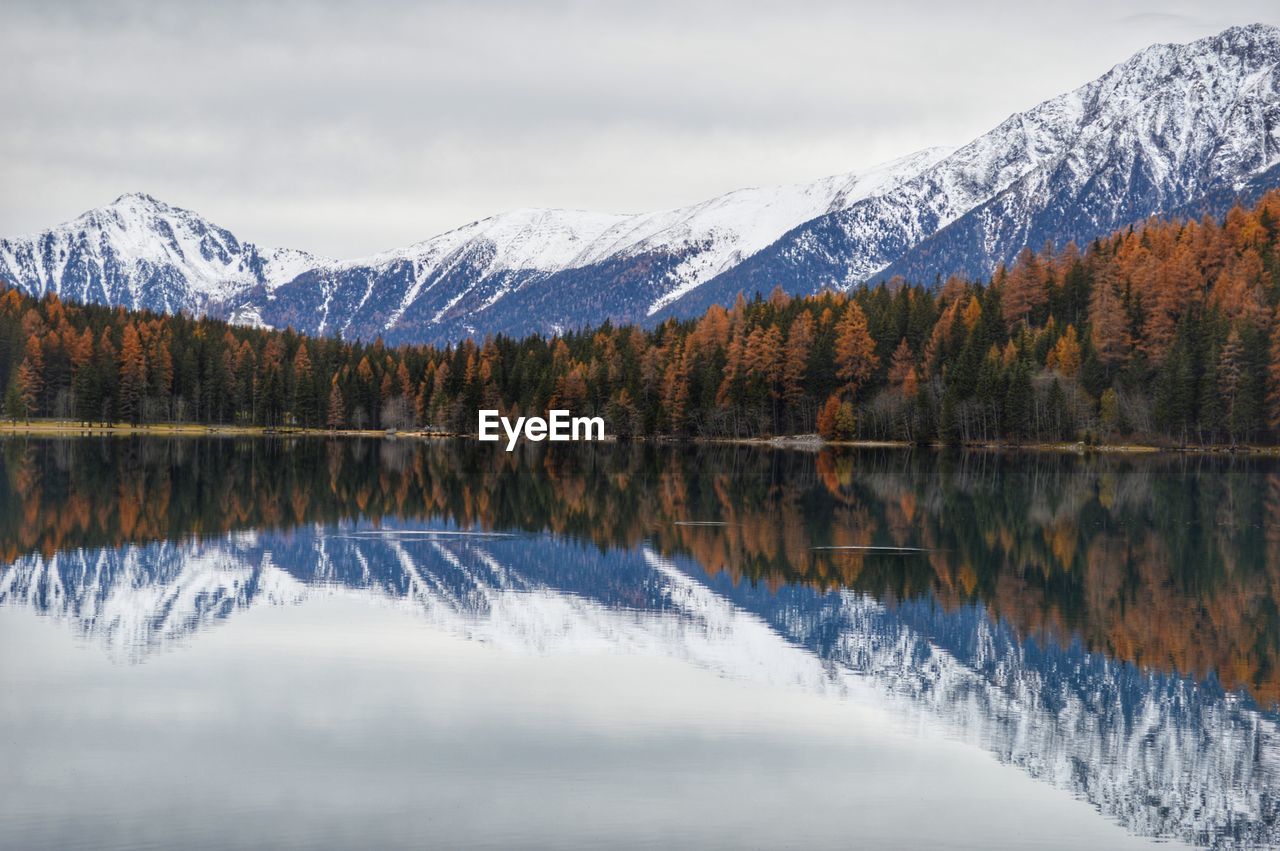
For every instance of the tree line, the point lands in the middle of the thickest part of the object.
(1166, 330)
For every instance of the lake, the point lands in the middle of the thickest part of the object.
(311, 643)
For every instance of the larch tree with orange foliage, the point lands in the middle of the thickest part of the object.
(1064, 357)
(336, 412)
(856, 358)
(902, 369)
(133, 375)
(1024, 288)
(1108, 328)
(30, 378)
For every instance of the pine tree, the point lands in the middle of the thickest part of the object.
(846, 421)
(1024, 289)
(856, 359)
(244, 369)
(902, 369)
(1064, 357)
(828, 416)
(14, 407)
(1108, 330)
(30, 378)
(1248, 412)
(133, 375)
(1175, 390)
(1273, 375)
(623, 416)
(106, 367)
(270, 389)
(335, 415)
(1229, 364)
(988, 395)
(305, 399)
(796, 360)
(1018, 401)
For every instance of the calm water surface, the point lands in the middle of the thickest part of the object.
(251, 642)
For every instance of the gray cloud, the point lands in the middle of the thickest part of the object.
(346, 128)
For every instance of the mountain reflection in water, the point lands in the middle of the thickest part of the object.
(1107, 624)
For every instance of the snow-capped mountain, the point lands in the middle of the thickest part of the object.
(1165, 755)
(551, 269)
(1176, 128)
(142, 253)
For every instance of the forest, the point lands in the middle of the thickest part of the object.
(1166, 331)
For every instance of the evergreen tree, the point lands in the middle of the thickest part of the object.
(1018, 401)
(335, 413)
(133, 375)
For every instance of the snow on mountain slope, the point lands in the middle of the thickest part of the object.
(522, 241)
(737, 225)
(281, 265)
(453, 280)
(143, 253)
(1172, 124)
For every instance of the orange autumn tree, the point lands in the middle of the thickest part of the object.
(133, 375)
(1024, 288)
(855, 350)
(902, 369)
(1064, 357)
(30, 378)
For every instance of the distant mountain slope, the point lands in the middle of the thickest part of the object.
(550, 269)
(1174, 129)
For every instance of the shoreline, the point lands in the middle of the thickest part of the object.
(1075, 447)
(811, 442)
(76, 429)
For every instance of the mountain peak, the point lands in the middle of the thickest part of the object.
(136, 196)
(1252, 32)
(139, 199)
(1235, 39)
(133, 211)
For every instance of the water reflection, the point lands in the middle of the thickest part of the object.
(1107, 625)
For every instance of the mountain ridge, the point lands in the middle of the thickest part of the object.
(1065, 187)
(1174, 128)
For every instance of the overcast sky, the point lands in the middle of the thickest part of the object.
(349, 128)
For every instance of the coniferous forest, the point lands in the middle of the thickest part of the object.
(1168, 332)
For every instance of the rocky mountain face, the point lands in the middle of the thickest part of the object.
(1176, 129)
